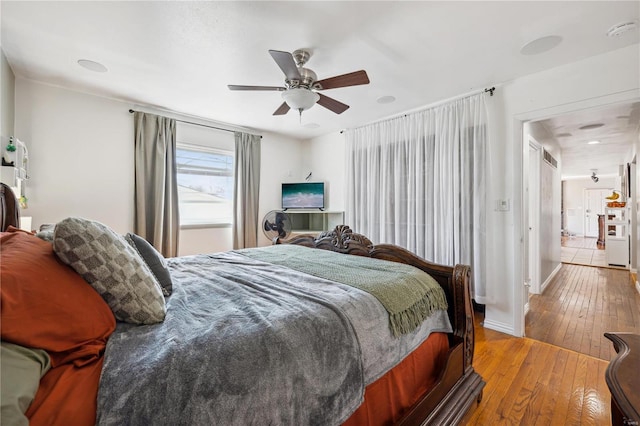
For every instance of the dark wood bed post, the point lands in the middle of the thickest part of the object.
(459, 386)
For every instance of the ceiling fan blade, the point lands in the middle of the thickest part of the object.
(331, 104)
(355, 78)
(286, 63)
(270, 88)
(282, 109)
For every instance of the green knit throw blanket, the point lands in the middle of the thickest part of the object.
(407, 293)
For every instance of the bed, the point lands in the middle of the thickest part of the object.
(291, 347)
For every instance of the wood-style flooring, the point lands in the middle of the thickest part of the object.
(534, 383)
(580, 304)
(556, 375)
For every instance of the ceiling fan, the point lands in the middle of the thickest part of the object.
(301, 84)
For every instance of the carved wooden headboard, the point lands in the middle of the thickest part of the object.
(9, 211)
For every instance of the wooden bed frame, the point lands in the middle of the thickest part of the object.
(458, 386)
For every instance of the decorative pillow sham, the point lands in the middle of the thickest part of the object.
(47, 305)
(112, 267)
(154, 260)
(21, 369)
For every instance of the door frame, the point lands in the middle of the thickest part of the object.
(533, 219)
(521, 156)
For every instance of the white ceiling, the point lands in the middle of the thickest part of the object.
(180, 56)
(620, 128)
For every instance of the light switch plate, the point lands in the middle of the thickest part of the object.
(503, 205)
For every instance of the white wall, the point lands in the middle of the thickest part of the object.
(320, 158)
(7, 101)
(611, 77)
(81, 162)
(574, 199)
(80, 155)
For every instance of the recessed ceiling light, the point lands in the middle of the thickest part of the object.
(92, 65)
(541, 45)
(591, 126)
(563, 135)
(593, 142)
(385, 99)
(624, 27)
(312, 125)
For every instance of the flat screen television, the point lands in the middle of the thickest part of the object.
(305, 195)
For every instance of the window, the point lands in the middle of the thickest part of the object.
(205, 185)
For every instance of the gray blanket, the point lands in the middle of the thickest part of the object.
(245, 342)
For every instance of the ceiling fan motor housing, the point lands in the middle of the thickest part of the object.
(308, 78)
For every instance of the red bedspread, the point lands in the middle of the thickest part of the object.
(387, 399)
(46, 305)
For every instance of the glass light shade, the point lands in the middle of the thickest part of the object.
(300, 99)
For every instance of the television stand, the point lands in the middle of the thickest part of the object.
(308, 221)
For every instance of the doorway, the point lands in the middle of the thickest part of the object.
(591, 201)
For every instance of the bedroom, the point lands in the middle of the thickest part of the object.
(79, 138)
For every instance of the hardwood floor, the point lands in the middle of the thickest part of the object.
(556, 375)
(535, 383)
(580, 304)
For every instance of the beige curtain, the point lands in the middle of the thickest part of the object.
(156, 188)
(246, 190)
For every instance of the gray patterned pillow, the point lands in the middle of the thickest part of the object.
(112, 267)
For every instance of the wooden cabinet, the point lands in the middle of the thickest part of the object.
(601, 236)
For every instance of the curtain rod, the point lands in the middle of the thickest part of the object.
(198, 124)
(490, 90)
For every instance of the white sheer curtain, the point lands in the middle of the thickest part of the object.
(419, 181)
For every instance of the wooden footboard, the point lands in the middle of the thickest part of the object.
(458, 386)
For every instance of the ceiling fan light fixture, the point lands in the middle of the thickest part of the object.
(300, 99)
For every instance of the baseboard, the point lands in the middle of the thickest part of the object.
(549, 278)
(499, 326)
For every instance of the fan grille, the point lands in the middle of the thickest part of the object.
(276, 223)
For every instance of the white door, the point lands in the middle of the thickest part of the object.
(594, 202)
